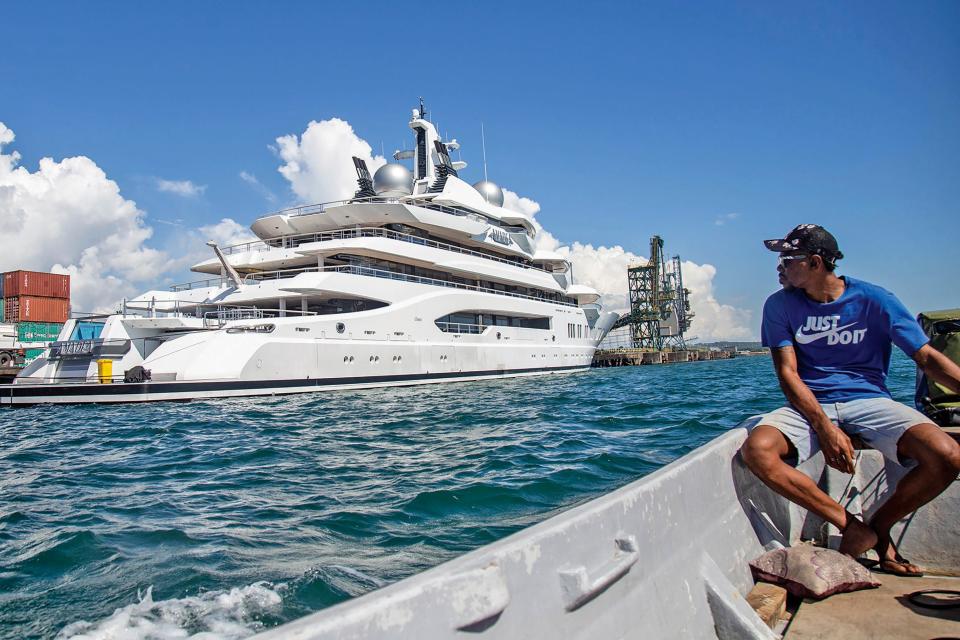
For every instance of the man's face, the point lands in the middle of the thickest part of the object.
(792, 269)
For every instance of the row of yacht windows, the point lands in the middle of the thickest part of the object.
(305, 306)
(294, 241)
(473, 215)
(420, 272)
(420, 233)
(576, 330)
(465, 321)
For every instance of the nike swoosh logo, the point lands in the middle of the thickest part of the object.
(807, 338)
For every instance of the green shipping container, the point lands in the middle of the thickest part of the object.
(38, 331)
(1, 309)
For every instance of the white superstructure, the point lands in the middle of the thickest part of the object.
(420, 277)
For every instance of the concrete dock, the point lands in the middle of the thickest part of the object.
(625, 357)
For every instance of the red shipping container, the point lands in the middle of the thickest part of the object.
(35, 309)
(36, 283)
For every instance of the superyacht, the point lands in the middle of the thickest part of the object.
(419, 277)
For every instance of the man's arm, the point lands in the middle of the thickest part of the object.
(938, 367)
(836, 445)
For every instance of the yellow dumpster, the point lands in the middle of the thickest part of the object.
(105, 371)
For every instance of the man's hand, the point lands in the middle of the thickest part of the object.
(835, 444)
(837, 448)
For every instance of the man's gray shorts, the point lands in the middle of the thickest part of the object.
(878, 421)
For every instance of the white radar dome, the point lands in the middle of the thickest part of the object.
(490, 191)
(393, 180)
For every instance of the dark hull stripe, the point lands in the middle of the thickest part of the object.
(26, 394)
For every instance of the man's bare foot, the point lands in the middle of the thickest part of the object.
(892, 562)
(857, 537)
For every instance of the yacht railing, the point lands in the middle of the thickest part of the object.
(357, 270)
(460, 327)
(426, 203)
(393, 275)
(253, 245)
(370, 232)
(199, 284)
(220, 317)
(282, 274)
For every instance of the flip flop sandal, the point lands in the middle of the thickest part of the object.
(900, 560)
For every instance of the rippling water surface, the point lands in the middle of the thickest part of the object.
(224, 517)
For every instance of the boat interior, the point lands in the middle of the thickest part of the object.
(668, 556)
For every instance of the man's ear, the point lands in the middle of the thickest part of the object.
(816, 262)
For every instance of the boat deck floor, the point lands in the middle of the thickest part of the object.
(884, 612)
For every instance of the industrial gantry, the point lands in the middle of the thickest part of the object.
(659, 304)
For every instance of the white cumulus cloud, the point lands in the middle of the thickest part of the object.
(713, 320)
(258, 186)
(227, 232)
(183, 188)
(6, 135)
(725, 218)
(519, 203)
(68, 217)
(605, 269)
(317, 163)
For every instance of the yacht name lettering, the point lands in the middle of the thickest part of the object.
(76, 347)
(499, 235)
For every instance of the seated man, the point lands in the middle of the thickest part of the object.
(830, 338)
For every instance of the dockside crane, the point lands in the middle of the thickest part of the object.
(660, 311)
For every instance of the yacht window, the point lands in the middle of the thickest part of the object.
(477, 321)
(86, 330)
(343, 305)
(256, 328)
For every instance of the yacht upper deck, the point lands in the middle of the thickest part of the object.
(289, 242)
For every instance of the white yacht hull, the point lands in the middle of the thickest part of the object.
(400, 344)
(94, 393)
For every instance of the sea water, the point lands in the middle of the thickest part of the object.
(216, 519)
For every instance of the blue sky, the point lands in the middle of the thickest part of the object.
(620, 119)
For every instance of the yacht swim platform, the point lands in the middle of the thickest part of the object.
(663, 557)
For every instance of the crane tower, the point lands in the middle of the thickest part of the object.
(659, 304)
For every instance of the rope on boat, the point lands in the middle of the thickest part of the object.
(928, 598)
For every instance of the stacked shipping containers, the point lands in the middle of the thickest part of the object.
(30, 296)
(38, 303)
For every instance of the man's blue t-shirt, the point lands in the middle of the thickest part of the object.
(843, 347)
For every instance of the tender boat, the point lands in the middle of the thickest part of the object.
(664, 557)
